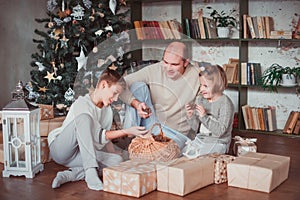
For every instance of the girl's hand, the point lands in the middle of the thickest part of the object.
(189, 111)
(136, 130)
(200, 110)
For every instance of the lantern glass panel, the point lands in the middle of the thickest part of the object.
(34, 138)
(16, 142)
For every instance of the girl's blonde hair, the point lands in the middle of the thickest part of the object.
(112, 77)
(217, 75)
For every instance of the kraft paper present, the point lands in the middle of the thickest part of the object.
(48, 125)
(46, 111)
(183, 175)
(221, 161)
(132, 178)
(244, 145)
(258, 171)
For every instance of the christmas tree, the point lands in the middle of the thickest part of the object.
(74, 28)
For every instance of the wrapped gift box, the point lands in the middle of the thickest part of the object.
(132, 178)
(48, 125)
(46, 111)
(183, 176)
(244, 145)
(220, 167)
(258, 171)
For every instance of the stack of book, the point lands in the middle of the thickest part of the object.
(250, 73)
(260, 118)
(201, 28)
(257, 26)
(149, 30)
(292, 125)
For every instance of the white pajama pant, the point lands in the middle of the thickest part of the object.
(74, 146)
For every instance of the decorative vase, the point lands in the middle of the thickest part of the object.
(223, 32)
(288, 80)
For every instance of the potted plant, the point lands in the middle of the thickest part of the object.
(277, 75)
(224, 22)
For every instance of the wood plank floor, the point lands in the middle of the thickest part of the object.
(40, 187)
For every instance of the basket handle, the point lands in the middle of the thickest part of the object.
(149, 133)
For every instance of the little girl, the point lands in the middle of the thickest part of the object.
(213, 111)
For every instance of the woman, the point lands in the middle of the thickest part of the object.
(78, 143)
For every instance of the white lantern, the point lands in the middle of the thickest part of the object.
(21, 138)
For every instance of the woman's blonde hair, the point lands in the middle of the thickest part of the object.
(217, 75)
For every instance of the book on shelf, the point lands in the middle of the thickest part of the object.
(259, 118)
(272, 121)
(246, 116)
(211, 26)
(138, 30)
(269, 25)
(176, 28)
(244, 73)
(201, 25)
(255, 26)
(296, 130)
(251, 73)
(251, 27)
(187, 27)
(291, 122)
(246, 32)
(296, 32)
(170, 29)
(195, 31)
(260, 27)
(281, 34)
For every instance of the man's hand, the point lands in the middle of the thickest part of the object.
(142, 109)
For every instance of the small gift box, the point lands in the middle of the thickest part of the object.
(46, 111)
(258, 171)
(183, 176)
(220, 167)
(244, 145)
(132, 178)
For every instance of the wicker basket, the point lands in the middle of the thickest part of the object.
(153, 147)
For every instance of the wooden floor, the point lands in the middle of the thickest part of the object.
(40, 187)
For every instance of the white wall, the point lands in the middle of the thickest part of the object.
(286, 54)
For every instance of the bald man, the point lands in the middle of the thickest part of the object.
(164, 87)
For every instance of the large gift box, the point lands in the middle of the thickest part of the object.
(258, 171)
(48, 125)
(221, 161)
(132, 178)
(244, 145)
(183, 175)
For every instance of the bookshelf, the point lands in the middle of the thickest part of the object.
(244, 46)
